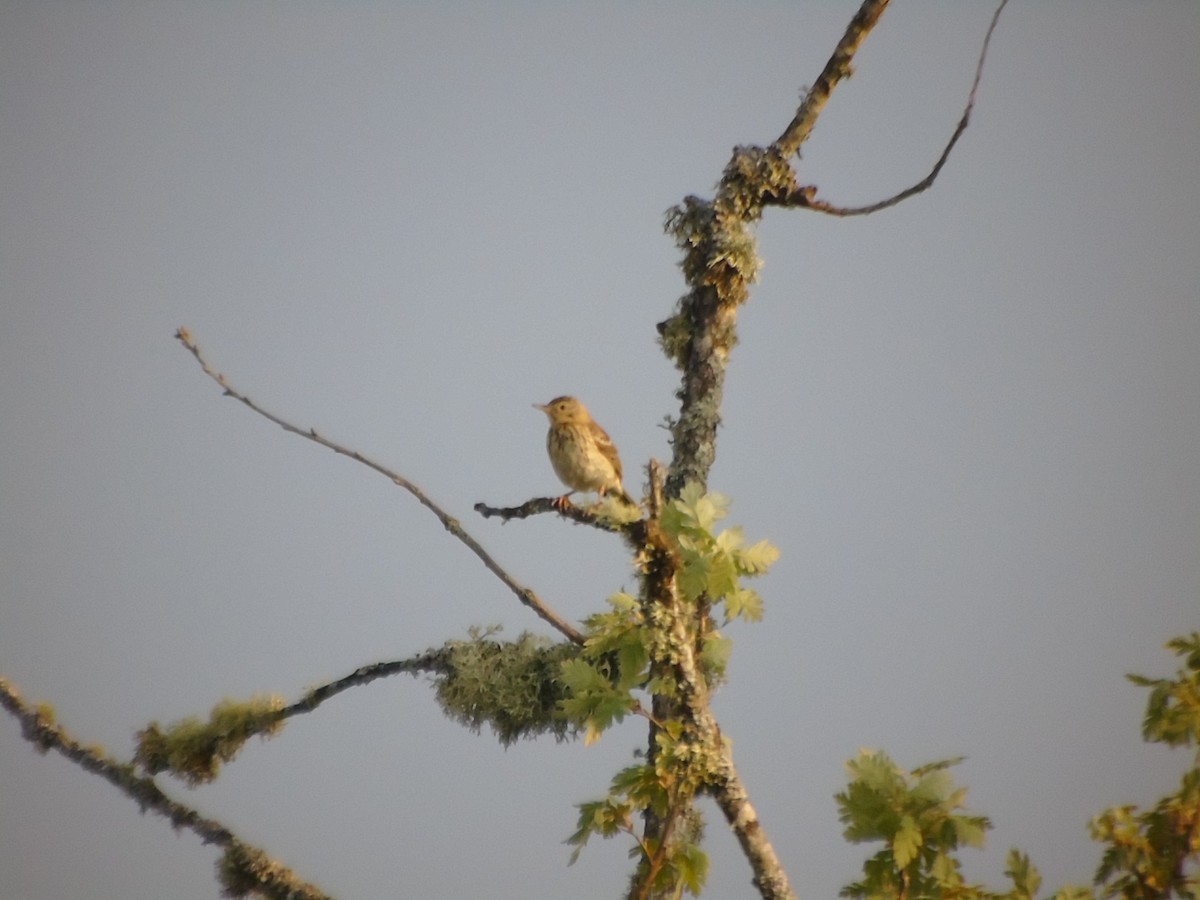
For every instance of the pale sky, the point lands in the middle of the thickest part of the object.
(971, 423)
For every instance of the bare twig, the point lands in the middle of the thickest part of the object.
(430, 661)
(806, 197)
(452, 525)
(38, 727)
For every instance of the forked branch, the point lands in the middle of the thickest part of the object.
(720, 262)
(806, 197)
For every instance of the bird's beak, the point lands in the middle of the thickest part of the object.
(540, 406)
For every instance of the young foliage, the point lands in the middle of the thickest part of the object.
(673, 868)
(713, 564)
(1173, 708)
(620, 642)
(1156, 853)
(917, 816)
(1150, 855)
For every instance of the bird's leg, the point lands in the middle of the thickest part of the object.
(561, 503)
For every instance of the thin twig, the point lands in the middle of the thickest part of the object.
(805, 197)
(39, 729)
(436, 661)
(452, 525)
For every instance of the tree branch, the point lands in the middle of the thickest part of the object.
(452, 525)
(720, 263)
(247, 867)
(806, 197)
(836, 69)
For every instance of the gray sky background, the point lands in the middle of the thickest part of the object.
(969, 423)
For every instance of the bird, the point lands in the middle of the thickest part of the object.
(582, 454)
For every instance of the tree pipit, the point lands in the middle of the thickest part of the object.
(581, 452)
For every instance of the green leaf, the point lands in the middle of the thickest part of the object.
(907, 842)
(634, 779)
(1187, 646)
(971, 830)
(710, 509)
(693, 576)
(744, 604)
(1172, 714)
(603, 817)
(634, 660)
(756, 559)
(623, 602)
(730, 539)
(592, 700)
(692, 865)
(722, 576)
(662, 684)
(580, 676)
(693, 511)
(1026, 879)
(944, 869)
(690, 495)
(934, 787)
(675, 521)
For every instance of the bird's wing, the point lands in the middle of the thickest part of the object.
(607, 449)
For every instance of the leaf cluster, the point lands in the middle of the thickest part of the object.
(1150, 855)
(1156, 853)
(917, 816)
(622, 641)
(615, 661)
(666, 867)
(601, 687)
(714, 563)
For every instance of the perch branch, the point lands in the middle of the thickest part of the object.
(452, 525)
(540, 505)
